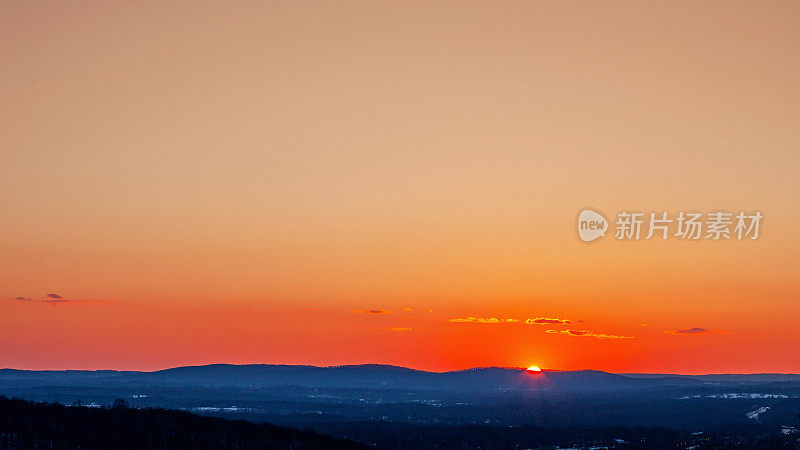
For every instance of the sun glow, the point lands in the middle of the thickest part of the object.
(534, 369)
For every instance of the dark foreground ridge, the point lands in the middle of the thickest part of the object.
(25, 425)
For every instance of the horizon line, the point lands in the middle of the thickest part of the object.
(400, 367)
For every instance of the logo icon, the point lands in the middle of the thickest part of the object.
(591, 225)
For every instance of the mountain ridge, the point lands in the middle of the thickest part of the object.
(376, 376)
(392, 366)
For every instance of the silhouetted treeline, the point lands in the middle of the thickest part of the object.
(26, 425)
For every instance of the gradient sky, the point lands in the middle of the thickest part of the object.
(333, 182)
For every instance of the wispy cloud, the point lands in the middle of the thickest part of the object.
(586, 333)
(372, 311)
(536, 321)
(55, 299)
(548, 321)
(482, 320)
(394, 329)
(696, 331)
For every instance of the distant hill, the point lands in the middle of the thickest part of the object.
(373, 376)
(725, 377)
(26, 425)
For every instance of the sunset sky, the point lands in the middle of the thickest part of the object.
(372, 182)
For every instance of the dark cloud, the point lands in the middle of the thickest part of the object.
(696, 330)
(55, 299)
(372, 311)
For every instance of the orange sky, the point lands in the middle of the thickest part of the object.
(229, 182)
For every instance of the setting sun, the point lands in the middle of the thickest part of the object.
(534, 369)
